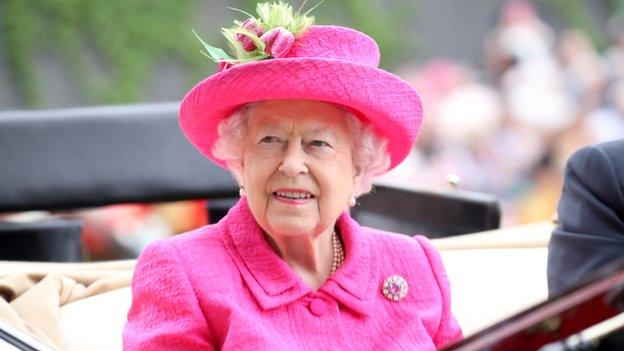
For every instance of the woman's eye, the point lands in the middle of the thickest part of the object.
(269, 139)
(319, 143)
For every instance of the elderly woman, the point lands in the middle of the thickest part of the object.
(304, 119)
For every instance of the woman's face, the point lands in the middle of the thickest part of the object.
(298, 172)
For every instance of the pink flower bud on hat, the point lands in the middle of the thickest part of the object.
(254, 27)
(223, 65)
(278, 41)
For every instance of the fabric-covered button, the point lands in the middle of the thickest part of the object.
(318, 307)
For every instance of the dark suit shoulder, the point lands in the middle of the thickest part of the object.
(591, 215)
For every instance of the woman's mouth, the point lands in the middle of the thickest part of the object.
(293, 197)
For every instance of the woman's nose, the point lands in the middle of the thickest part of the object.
(294, 162)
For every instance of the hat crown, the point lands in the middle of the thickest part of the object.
(335, 42)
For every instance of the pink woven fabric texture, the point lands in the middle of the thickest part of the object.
(221, 287)
(327, 63)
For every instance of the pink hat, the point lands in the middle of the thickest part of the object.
(325, 63)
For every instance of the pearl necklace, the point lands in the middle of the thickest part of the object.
(338, 252)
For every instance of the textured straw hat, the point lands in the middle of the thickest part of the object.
(325, 63)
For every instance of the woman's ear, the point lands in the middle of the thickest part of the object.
(356, 172)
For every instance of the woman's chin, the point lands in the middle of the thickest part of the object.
(291, 226)
(291, 211)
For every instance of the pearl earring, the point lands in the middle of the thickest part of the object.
(352, 201)
(241, 191)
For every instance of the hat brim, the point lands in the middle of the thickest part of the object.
(377, 96)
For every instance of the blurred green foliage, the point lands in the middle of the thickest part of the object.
(617, 7)
(126, 38)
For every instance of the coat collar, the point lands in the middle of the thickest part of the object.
(273, 283)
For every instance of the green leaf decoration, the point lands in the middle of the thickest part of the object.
(280, 14)
(270, 15)
(214, 53)
(235, 46)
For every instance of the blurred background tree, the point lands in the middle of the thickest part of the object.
(124, 38)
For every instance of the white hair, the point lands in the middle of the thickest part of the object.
(369, 150)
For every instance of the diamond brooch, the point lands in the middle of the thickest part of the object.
(395, 288)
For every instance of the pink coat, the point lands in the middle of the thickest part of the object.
(222, 287)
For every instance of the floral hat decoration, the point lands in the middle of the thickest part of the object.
(270, 35)
(282, 54)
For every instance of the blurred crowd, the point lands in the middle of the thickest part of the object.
(508, 127)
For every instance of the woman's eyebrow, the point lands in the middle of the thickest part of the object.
(270, 127)
(322, 131)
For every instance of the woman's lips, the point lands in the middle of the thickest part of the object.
(293, 196)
